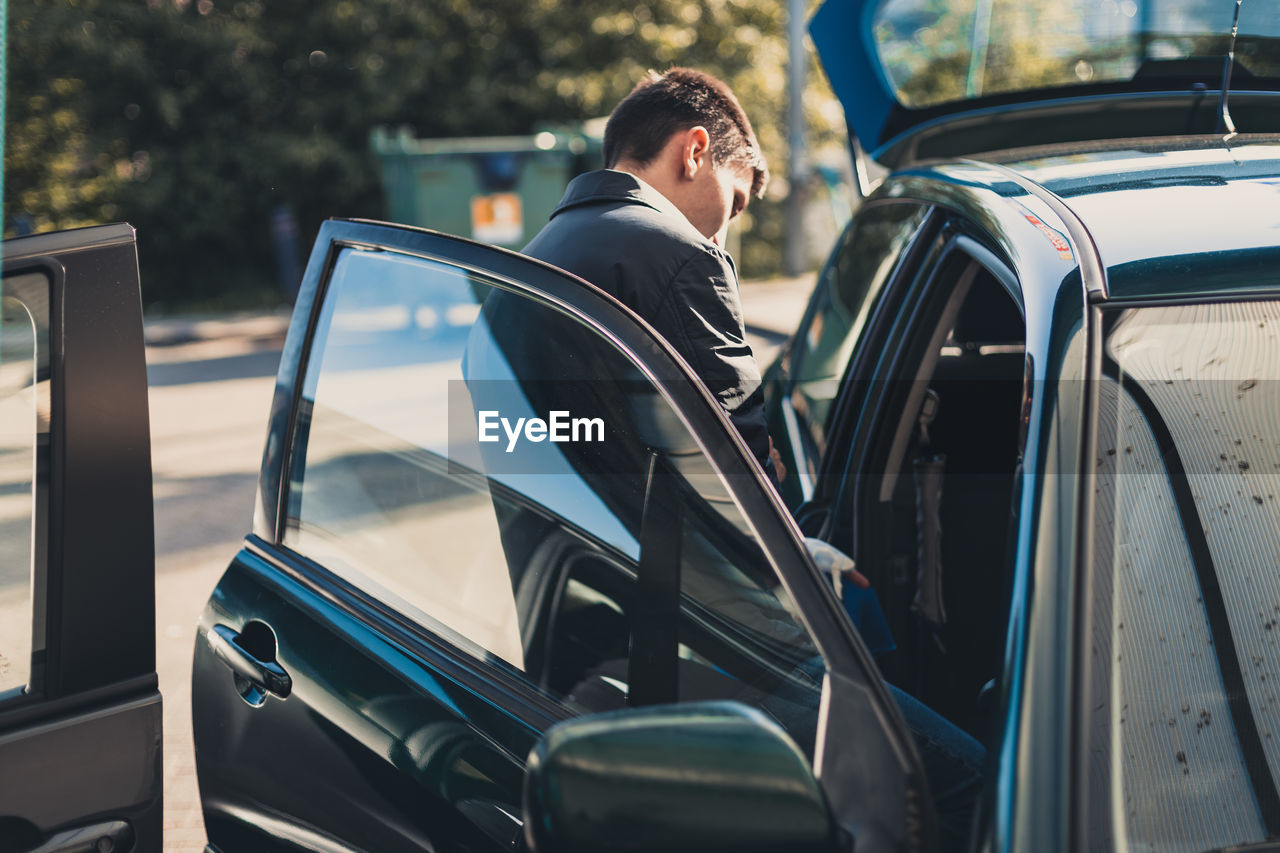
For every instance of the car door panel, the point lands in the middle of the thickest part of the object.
(368, 750)
(80, 741)
(116, 750)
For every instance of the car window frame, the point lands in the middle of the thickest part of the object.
(74, 621)
(881, 354)
(584, 302)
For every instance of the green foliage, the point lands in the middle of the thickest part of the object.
(194, 119)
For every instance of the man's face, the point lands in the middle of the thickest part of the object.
(721, 192)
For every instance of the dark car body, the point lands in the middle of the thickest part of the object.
(1035, 397)
(1057, 228)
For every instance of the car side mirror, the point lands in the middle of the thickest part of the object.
(706, 776)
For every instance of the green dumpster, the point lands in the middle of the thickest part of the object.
(497, 189)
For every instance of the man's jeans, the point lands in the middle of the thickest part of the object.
(953, 763)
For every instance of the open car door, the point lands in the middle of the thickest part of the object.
(80, 745)
(417, 606)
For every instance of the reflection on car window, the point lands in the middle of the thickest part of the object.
(1187, 596)
(599, 556)
(368, 499)
(846, 291)
(24, 430)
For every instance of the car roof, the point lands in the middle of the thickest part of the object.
(1172, 217)
(1169, 218)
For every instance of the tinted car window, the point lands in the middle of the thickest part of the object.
(24, 427)
(846, 291)
(938, 53)
(507, 477)
(1187, 603)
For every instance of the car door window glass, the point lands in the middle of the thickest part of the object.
(368, 499)
(24, 428)
(1187, 597)
(846, 291)
(599, 555)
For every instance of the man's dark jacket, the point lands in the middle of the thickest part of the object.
(628, 239)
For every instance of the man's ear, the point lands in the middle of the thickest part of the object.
(695, 151)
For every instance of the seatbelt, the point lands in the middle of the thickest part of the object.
(930, 468)
(652, 662)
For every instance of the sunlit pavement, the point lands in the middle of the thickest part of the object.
(209, 402)
(211, 384)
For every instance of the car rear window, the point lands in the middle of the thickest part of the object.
(1186, 612)
(935, 52)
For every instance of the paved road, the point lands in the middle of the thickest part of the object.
(211, 384)
(209, 403)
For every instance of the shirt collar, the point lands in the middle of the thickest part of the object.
(612, 185)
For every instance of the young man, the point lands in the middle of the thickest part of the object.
(681, 162)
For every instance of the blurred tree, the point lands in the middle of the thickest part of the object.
(194, 119)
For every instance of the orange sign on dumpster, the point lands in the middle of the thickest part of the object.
(497, 218)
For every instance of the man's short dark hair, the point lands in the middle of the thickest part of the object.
(662, 105)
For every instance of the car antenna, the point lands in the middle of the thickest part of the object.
(1225, 124)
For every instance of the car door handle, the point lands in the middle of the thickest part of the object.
(229, 647)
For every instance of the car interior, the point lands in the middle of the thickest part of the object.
(941, 497)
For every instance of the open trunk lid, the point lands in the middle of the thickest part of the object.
(921, 79)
